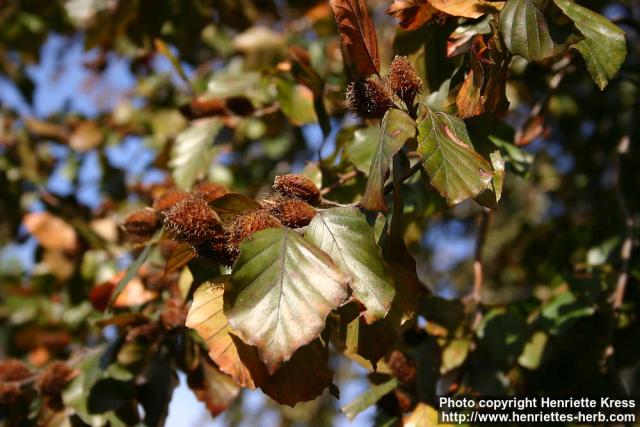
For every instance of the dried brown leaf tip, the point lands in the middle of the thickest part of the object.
(169, 199)
(142, 224)
(403, 80)
(250, 222)
(192, 220)
(369, 98)
(293, 213)
(298, 186)
(53, 378)
(210, 191)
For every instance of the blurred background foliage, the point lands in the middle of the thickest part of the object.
(105, 104)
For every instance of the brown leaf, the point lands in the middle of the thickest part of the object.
(233, 357)
(467, 8)
(86, 136)
(304, 377)
(532, 129)
(483, 90)
(358, 34)
(181, 255)
(51, 231)
(212, 387)
(412, 13)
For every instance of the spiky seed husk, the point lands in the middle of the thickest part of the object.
(169, 199)
(369, 99)
(402, 367)
(293, 213)
(52, 380)
(403, 80)
(13, 370)
(217, 249)
(210, 191)
(10, 393)
(296, 185)
(143, 223)
(192, 220)
(248, 223)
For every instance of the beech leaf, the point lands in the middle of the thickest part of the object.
(302, 378)
(192, 152)
(525, 30)
(358, 34)
(603, 48)
(467, 8)
(349, 239)
(233, 357)
(397, 128)
(282, 289)
(412, 14)
(455, 169)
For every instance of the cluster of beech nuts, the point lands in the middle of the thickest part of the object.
(371, 98)
(190, 218)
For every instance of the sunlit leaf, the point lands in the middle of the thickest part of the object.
(368, 398)
(358, 34)
(455, 169)
(467, 8)
(233, 357)
(412, 13)
(603, 48)
(296, 102)
(345, 234)
(52, 232)
(192, 152)
(397, 128)
(282, 289)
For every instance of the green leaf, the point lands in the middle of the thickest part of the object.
(532, 354)
(192, 152)
(455, 169)
(282, 289)
(361, 149)
(233, 357)
(525, 30)
(296, 102)
(603, 48)
(345, 234)
(368, 398)
(397, 128)
(132, 270)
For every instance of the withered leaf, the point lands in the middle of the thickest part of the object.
(467, 8)
(483, 90)
(412, 13)
(358, 34)
(233, 357)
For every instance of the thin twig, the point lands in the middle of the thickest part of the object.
(478, 274)
(627, 242)
(412, 170)
(341, 180)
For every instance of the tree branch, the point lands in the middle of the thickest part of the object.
(412, 170)
(478, 275)
(627, 235)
